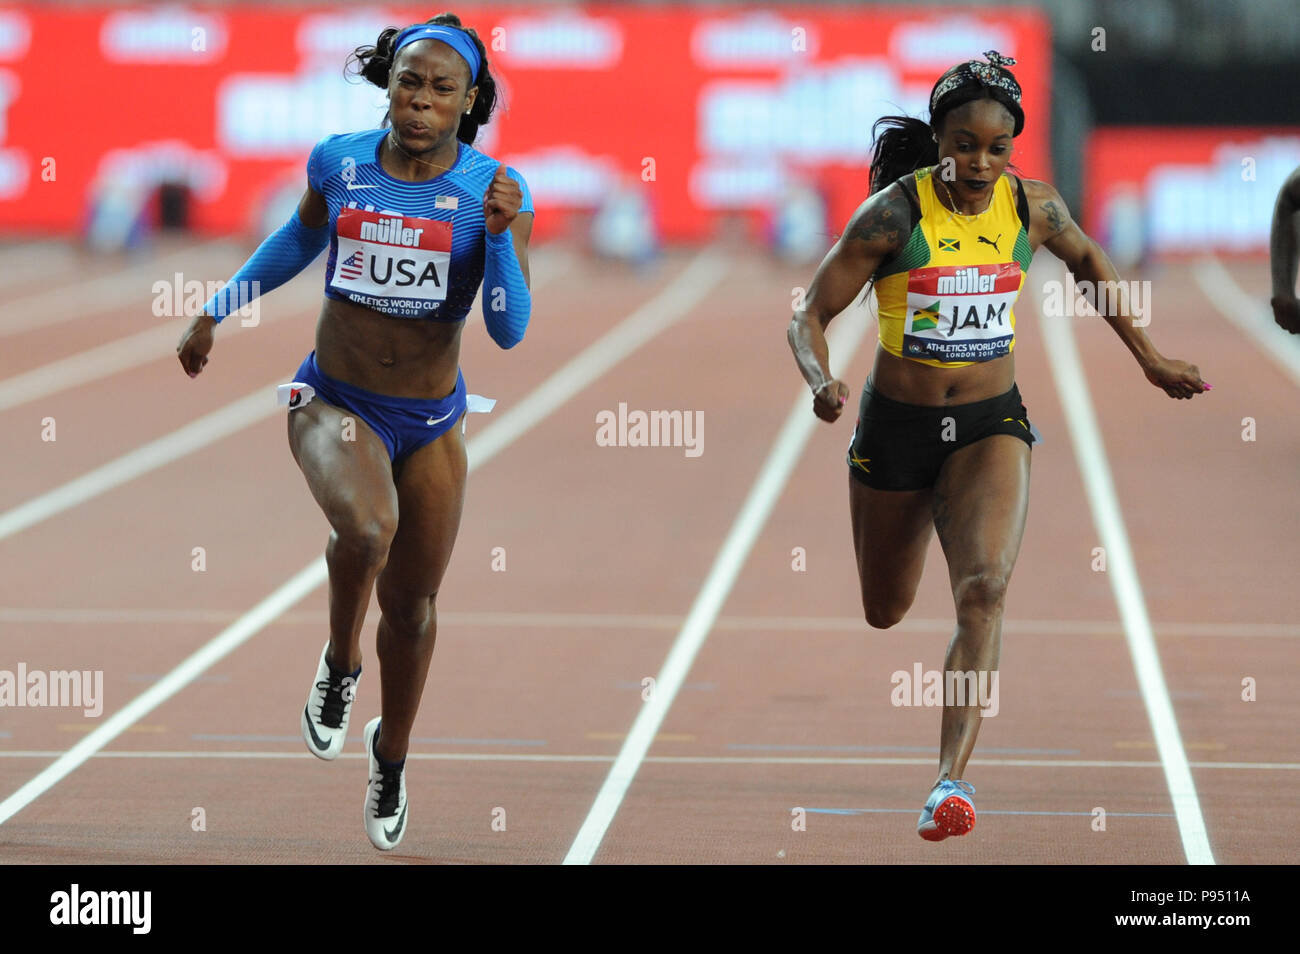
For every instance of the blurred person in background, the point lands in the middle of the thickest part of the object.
(1282, 253)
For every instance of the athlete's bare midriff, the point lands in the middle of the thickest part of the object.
(400, 357)
(911, 382)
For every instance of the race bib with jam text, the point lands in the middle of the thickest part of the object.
(961, 312)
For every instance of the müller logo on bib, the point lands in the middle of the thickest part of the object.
(961, 312)
(396, 264)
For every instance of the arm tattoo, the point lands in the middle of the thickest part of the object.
(880, 223)
(1055, 220)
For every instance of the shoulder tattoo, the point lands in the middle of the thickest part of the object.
(885, 222)
(1055, 218)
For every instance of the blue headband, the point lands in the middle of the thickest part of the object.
(458, 40)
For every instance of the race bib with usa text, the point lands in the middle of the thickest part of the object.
(395, 264)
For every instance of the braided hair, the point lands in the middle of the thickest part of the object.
(375, 63)
(907, 144)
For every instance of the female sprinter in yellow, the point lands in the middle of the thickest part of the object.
(942, 437)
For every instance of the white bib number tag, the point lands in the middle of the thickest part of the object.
(961, 312)
(396, 264)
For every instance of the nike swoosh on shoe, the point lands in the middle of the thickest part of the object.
(316, 740)
(397, 829)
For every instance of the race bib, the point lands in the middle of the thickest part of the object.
(961, 312)
(395, 264)
(294, 395)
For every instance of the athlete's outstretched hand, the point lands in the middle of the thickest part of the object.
(829, 400)
(1286, 312)
(195, 344)
(501, 201)
(1178, 379)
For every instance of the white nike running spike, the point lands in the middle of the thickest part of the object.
(325, 717)
(385, 797)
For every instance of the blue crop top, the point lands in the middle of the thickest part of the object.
(406, 249)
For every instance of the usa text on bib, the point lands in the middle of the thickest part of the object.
(396, 264)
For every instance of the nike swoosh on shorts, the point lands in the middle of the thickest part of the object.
(432, 422)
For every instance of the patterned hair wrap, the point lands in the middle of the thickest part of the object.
(986, 73)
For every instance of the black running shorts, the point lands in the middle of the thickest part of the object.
(899, 446)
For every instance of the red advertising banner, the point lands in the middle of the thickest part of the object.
(711, 112)
(1175, 191)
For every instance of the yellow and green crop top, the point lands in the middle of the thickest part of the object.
(946, 298)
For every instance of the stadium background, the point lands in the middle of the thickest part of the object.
(733, 104)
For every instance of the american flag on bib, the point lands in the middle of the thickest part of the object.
(350, 268)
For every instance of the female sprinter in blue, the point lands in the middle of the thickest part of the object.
(942, 438)
(414, 218)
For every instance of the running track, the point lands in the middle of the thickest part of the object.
(539, 671)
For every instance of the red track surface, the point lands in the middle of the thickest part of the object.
(538, 670)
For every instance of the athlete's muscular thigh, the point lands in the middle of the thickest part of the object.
(891, 532)
(347, 469)
(981, 500)
(431, 491)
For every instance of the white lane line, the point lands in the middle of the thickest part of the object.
(622, 622)
(658, 759)
(844, 339)
(251, 622)
(194, 436)
(130, 285)
(86, 366)
(1250, 315)
(665, 308)
(645, 323)
(27, 261)
(1090, 452)
(152, 344)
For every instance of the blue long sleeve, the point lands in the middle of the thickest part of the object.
(284, 254)
(507, 303)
